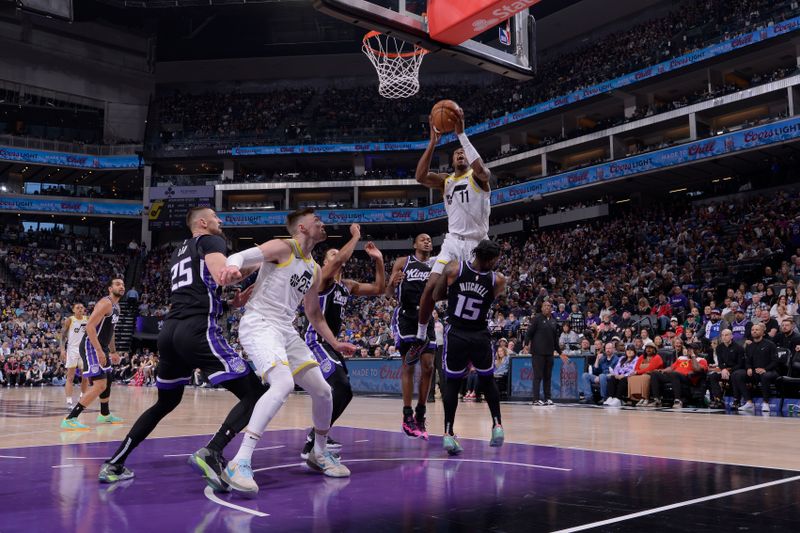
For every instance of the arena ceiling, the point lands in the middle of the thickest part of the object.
(222, 29)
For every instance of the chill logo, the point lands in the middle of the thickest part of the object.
(461, 191)
(302, 283)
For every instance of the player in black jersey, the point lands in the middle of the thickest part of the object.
(333, 295)
(407, 282)
(191, 338)
(470, 289)
(97, 352)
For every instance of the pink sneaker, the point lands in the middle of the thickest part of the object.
(410, 428)
(423, 432)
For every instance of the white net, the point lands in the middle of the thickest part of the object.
(397, 63)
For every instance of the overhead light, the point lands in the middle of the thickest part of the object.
(623, 201)
(678, 190)
(715, 181)
(727, 179)
(3, 188)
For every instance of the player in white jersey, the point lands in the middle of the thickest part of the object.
(71, 337)
(466, 195)
(288, 275)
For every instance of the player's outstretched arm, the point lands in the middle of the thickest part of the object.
(317, 319)
(345, 253)
(396, 276)
(479, 170)
(377, 287)
(449, 275)
(274, 251)
(101, 309)
(424, 176)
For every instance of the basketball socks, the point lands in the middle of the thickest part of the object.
(450, 401)
(489, 387)
(248, 446)
(104, 410)
(419, 412)
(221, 438)
(320, 443)
(408, 412)
(422, 331)
(76, 411)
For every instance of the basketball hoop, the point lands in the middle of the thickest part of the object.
(397, 63)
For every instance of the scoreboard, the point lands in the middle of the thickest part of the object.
(171, 214)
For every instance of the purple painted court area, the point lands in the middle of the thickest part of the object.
(397, 485)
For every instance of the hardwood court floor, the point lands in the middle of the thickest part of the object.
(30, 417)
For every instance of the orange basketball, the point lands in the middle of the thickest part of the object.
(444, 116)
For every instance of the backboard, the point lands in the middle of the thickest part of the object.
(507, 48)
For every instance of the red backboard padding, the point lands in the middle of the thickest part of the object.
(457, 21)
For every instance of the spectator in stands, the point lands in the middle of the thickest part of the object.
(728, 358)
(577, 320)
(33, 377)
(13, 371)
(713, 328)
(771, 325)
(678, 302)
(639, 382)
(501, 363)
(756, 305)
(687, 370)
(618, 378)
(761, 362)
(568, 338)
(790, 309)
(663, 312)
(598, 373)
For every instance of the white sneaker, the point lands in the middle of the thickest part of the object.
(239, 476)
(328, 464)
(549, 403)
(615, 402)
(748, 407)
(765, 407)
(608, 401)
(538, 403)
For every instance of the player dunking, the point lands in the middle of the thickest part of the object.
(470, 289)
(333, 295)
(192, 338)
(70, 344)
(406, 284)
(466, 199)
(288, 274)
(97, 350)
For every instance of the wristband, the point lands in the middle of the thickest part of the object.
(469, 151)
(252, 257)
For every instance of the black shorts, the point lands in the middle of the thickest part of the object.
(92, 369)
(327, 358)
(405, 332)
(195, 342)
(464, 346)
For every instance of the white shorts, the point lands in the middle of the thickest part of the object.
(454, 249)
(74, 358)
(269, 344)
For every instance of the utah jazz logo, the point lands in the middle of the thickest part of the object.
(462, 190)
(301, 283)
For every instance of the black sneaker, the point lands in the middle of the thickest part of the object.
(210, 464)
(307, 449)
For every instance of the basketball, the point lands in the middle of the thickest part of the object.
(444, 116)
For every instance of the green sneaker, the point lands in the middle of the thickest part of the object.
(72, 424)
(451, 445)
(112, 473)
(210, 465)
(498, 437)
(108, 419)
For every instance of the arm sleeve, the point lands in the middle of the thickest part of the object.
(209, 244)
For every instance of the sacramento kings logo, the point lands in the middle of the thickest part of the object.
(238, 366)
(326, 365)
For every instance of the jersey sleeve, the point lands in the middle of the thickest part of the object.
(209, 244)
